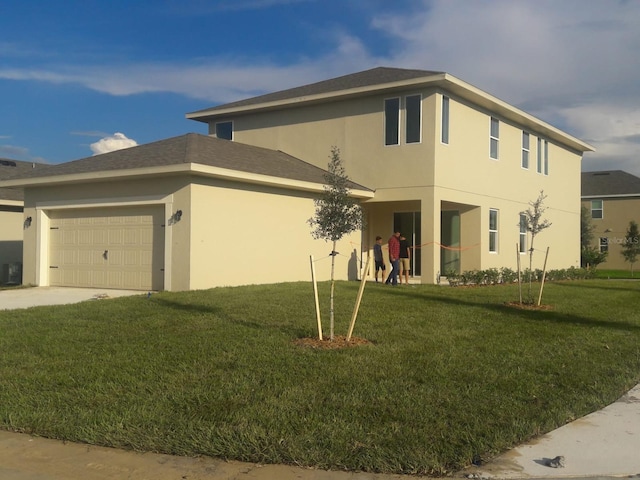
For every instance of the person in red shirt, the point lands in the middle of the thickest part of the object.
(394, 258)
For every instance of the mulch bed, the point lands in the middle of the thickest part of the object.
(326, 344)
(528, 306)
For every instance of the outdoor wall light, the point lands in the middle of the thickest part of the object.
(178, 215)
(27, 222)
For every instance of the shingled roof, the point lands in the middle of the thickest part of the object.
(375, 76)
(192, 148)
(609, 183)
(15, 168)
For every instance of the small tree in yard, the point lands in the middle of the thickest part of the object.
(590, 256)
(535, 224)
(337, 214)
(631, 246)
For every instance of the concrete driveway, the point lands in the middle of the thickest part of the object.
(38, 296)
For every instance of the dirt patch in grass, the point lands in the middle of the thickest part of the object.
(326, 344)
(528, 306)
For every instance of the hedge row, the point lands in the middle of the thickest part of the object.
(495, 276)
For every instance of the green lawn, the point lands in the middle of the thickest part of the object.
(618, 274)
(451, 375)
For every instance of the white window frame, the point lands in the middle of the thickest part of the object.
(523, 234)
(494, 138)
(444, 120)
(546, 158)
(398, 99)
(215, 129)
(604, 244)
(526, 152)
(493, 232)
(539, 156)
(601, 210)
(406, 120)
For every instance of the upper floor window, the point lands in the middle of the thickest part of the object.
(525, 150)
(224, 130)
(495, 137)
(444, 131)
(413, 107)
(597, 209)
(523, 233)
(493, 230)
(392, 121)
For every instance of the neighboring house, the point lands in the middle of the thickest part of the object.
(12, 221)
(184, 213)
(613, 200)
(449, 165)
(452, 167)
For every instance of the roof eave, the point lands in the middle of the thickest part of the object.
(207, 114)
(186, 168)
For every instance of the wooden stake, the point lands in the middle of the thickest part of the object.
(363, 282)
(544, 274)
(519, 276)
(315, 293)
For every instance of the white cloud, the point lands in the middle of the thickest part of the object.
(111, 143)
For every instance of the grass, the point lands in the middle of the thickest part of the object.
(617, 274)
(452, 374)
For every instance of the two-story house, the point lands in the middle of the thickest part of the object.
(449, 165)
(452, 167)
(613, 200)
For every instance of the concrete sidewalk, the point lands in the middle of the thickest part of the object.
(604, 443)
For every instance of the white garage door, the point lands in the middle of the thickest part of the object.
(107, 248)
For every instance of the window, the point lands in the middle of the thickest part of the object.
(523, 233)
(525, 150)
(539, 153)
(444, 134)
(493, 230)
(604, 244)
(495, 136)
(597, 209)
(224, 130)
(392, 121)
(546, 158)
(413, 112)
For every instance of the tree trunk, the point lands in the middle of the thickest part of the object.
(333, 264)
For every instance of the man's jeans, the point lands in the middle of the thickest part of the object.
(395, 270)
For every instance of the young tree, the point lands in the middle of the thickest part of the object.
(337, 214)
(590, 256)
(631, 246)
(535, 224)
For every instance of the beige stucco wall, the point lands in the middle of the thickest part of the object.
(229, 233)
(465, 174)
(252, 235)
(356, 127)
(11, 224)
(433, 174)
(617, 213)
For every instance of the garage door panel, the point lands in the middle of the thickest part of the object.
(116, 248)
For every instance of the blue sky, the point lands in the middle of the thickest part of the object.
(75, 73)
